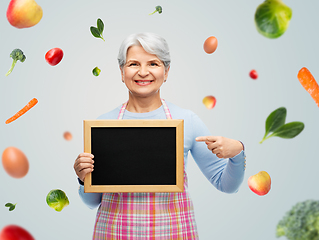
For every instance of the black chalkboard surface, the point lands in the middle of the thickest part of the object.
(135, 155)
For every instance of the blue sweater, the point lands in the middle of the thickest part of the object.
(225, 174)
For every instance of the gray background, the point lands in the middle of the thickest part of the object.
(69, 93)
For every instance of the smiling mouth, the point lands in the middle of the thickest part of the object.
(143, 82)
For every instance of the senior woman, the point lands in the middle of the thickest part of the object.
(144, 62)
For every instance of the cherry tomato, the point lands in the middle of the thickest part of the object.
(54, 56)
(14, 232)
(253, 74)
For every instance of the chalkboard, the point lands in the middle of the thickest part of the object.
(135, 155)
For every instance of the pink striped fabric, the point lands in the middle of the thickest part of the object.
(167, 112)
(146, 216)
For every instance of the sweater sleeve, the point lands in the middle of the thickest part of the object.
(225, 174)
(92, 200)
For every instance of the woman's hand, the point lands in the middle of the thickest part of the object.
(83, 165)
(221, 146)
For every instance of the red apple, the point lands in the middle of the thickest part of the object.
(260, 183)
(209, 102)
(24, 13)
(14, 232)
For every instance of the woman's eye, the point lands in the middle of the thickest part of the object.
(133, 64)
(154, 64)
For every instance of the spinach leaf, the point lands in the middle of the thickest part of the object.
(10, 206)
(276, 119)
(97, 32)
(100, 26)
(289, 130)
(275, 123)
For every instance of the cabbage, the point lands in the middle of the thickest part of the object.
(272, 18)
(57, 199)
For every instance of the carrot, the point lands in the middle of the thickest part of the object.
(309, 83)
(26, 108)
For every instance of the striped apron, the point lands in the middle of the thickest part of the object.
(146, 216)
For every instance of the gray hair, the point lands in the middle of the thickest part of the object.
(151, 42)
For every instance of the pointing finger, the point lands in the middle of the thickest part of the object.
(205, 139)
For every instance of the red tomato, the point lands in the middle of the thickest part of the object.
(14, 232)
(54, 56)
(253, 74)
(210, 45)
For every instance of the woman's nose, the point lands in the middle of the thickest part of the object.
(143, 71)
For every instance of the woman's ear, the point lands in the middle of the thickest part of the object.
(166, 73)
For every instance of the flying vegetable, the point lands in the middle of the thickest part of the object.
(54, 56)
(272, 18)
(157, 9)
(10, 206)
(98, 32)
(275, 124)
(16, 55)
(96, 71)
(15, 232)
(57, 199)
(301, 222)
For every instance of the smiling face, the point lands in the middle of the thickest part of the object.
(143, 73)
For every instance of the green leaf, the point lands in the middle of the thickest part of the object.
(8, 204)
(289, 130)
(275, 120)
(100, 26)
(12, 207)
(95, 32)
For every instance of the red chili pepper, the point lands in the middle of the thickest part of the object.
(253, 74)
(54, 56)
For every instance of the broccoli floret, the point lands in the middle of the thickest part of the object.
(16, 55)
(157, 9)
(301, 222)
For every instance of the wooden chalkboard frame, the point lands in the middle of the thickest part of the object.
(176, 123)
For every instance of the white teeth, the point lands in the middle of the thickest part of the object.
(143, 82)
